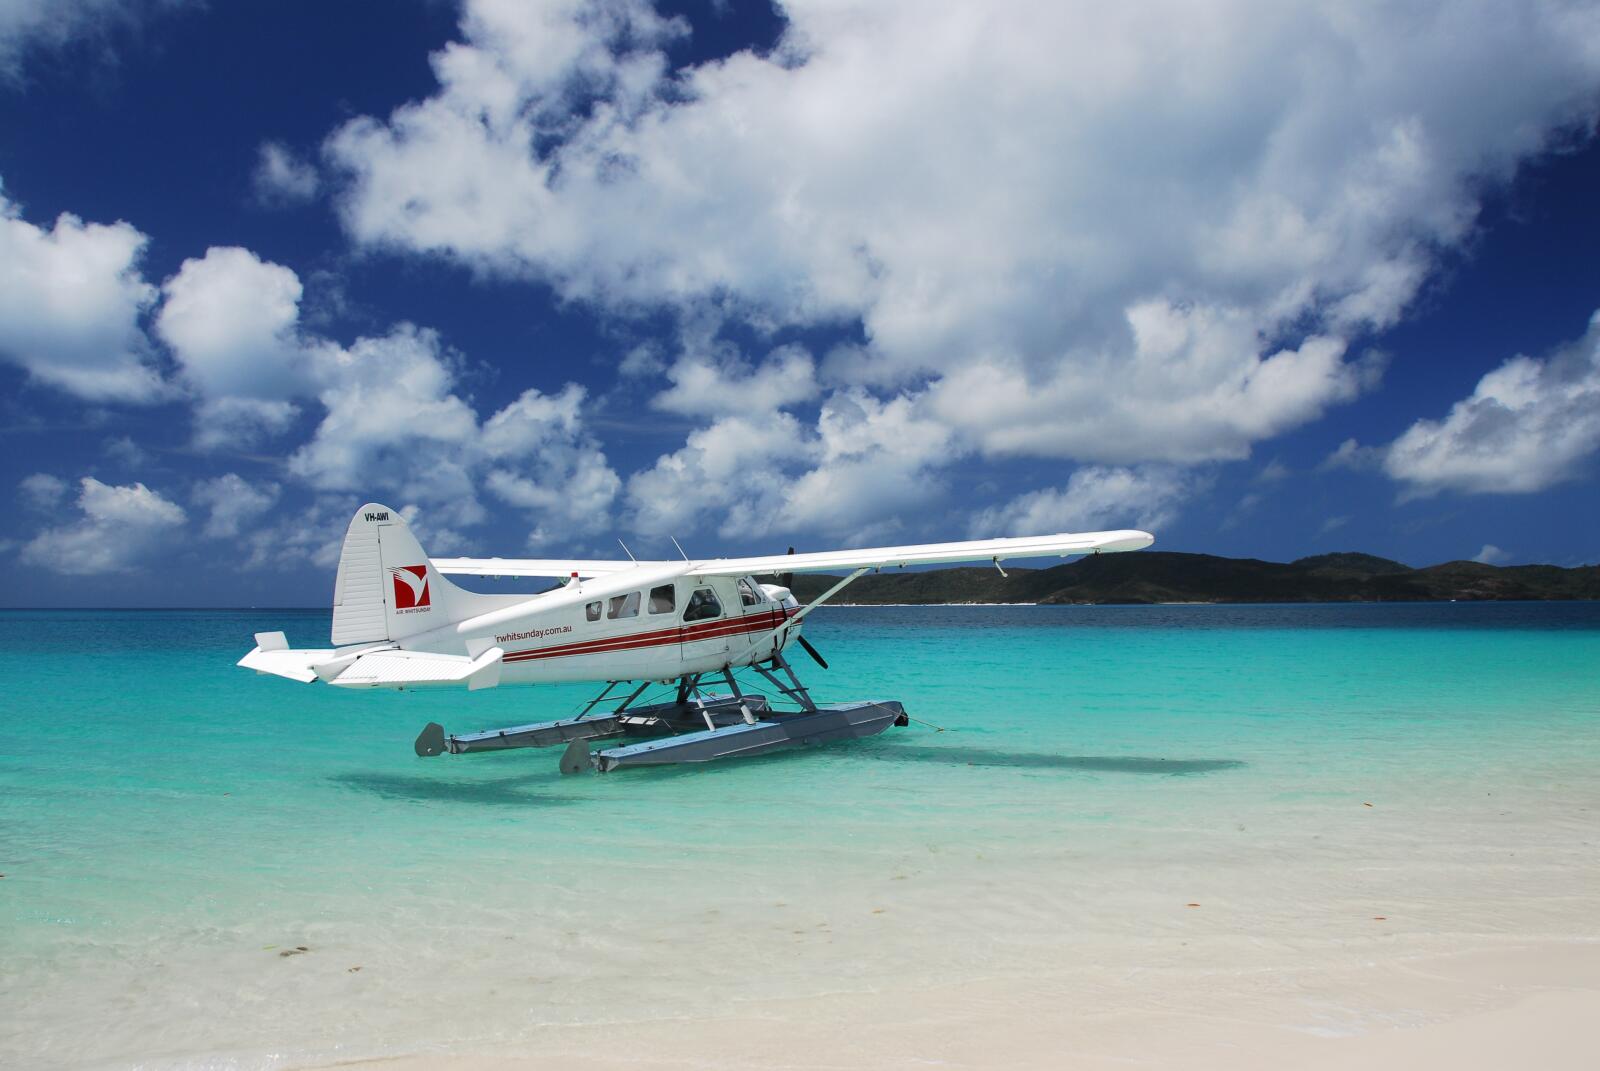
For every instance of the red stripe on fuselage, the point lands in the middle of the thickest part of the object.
(656, 638)
(636, 641)
(622, 643)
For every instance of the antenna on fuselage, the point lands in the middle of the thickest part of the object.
(628, 552)
(679, 546)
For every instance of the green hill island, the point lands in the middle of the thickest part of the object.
(1168, 577)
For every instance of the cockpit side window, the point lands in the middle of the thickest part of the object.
(703, 606)
(623, 606)
(662, 599)
(748, 595)
(591, 611)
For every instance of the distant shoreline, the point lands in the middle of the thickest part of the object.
(1170, 578)
(1212, 602)
(874, 605)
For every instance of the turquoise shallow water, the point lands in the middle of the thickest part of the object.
(169, 823)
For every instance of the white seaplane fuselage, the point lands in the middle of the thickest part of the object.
(651, 623)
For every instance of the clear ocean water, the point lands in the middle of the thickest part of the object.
(171, 825)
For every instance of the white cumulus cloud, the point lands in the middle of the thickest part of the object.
(1181, 394)
(231, 503)
(290, 538)
(394, 422)
(42, 491)
(391, 416)
(706, 384)
(544, 463)
(1529, 424)
(70, 301)
(732, 477)
(50, 23)
(1095, 497)
(383, 395)
(117, 527)
(125, 452)
(867, 468)
(232, 321)
(1115, 233)
(281, 177)
(1491, 555)
(877, 467)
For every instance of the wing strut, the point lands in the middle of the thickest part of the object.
(782, 635)
(824, 597)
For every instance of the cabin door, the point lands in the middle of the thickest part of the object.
(761, 618)
(705, 620)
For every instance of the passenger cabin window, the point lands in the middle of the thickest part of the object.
(623, 606)
(661, 599)
(703, 606)
(748, 595)
(592, 610)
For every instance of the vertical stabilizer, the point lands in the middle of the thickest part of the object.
(387, 589)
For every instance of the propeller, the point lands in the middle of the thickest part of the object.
(812, 651)
(787, 580)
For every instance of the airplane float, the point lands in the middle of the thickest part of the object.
(398, 623)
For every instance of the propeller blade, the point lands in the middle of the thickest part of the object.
(812, 651)
(787, 579)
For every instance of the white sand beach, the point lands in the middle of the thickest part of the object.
(1528, 1006)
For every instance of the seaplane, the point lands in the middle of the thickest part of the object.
(682, 626)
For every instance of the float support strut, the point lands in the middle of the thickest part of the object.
(794, 690)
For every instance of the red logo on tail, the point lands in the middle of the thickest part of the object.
(410, 587)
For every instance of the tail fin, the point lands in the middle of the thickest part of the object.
(387, 588)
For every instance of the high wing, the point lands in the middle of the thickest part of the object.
(562, 567)
(972, 550)
(1063, 545)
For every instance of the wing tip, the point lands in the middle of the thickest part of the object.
(1128, 539)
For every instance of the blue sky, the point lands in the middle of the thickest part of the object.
(1269, 282)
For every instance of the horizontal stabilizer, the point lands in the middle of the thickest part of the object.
(373, 666)
(393, 668)
(272, 655)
